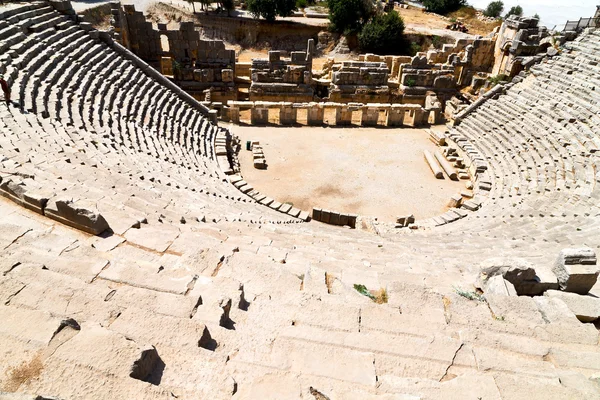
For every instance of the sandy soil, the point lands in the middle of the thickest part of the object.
(369, 171)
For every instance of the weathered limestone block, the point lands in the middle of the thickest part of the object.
(288, 114)
(314, 114)
(576, 270)
(406, 220)
(234, 114)
(369, 116)
(526, 280)
(316, 214)
(499, 286)
(455, 201)
(395, 115)
(80, 215)
(259, 116)
(586, 308)
(343, 115)
(227, 75)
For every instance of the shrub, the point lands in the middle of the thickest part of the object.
(349, 16)
(516, 10)
(494, 9)
(270, 9)
(443, 6)
(498, 78)
(300, 4)
(410, 82)
(384, 34)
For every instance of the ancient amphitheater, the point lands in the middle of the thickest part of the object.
(133, 267)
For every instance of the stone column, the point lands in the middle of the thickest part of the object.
(395, 115)
(259, 115)
(213, 117)
(343, 115)
(234, 114)
(370, 115)
(288, 114)
(314, 114)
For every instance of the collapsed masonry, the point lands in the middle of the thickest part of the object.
(280, 79)
(203, 68)
(434, 80)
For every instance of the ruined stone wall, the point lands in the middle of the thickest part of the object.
(517, 39)
(142, 39)
(481, 53)
(283, 79)
(393, 62)
(197, 65)
(286, 35)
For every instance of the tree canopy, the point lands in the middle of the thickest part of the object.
(349, 16)
(384, 34)
(270, 9)
(515, 10)
(494, 9)
(443, 6)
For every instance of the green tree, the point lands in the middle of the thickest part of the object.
(349, 16)
(384, 34)
(227, 5)
(443, 6)
(494, 9)
(515, 10)
(270, 9)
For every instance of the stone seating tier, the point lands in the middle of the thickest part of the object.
(175, 302)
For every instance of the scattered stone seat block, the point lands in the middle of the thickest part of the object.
(586, 308)
(520, 273)
(81, 215)
(455, 201)
(497, 285)
(304, 216)
(316, 214)
(34, 200)
(405, 220)
(576, 270)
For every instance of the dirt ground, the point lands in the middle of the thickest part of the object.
(369, 171)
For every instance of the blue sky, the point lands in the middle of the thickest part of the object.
(551, 12)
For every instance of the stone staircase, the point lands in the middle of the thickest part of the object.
(199, 292)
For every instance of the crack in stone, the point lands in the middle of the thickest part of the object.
(452, 362)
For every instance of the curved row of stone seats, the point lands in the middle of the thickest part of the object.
(540, 141)
(91, 92)
(73, 166)
(112, 290)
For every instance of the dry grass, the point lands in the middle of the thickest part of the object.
(380, 296)
(23, 373)
(329, 279)
(468, 15)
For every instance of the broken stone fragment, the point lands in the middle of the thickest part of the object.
(576, 270)
(79, 215)
(520, 273)
(586, 308)
(499, 286)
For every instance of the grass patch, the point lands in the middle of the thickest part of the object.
(469, 294)
(329, 282)
(380, 296)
